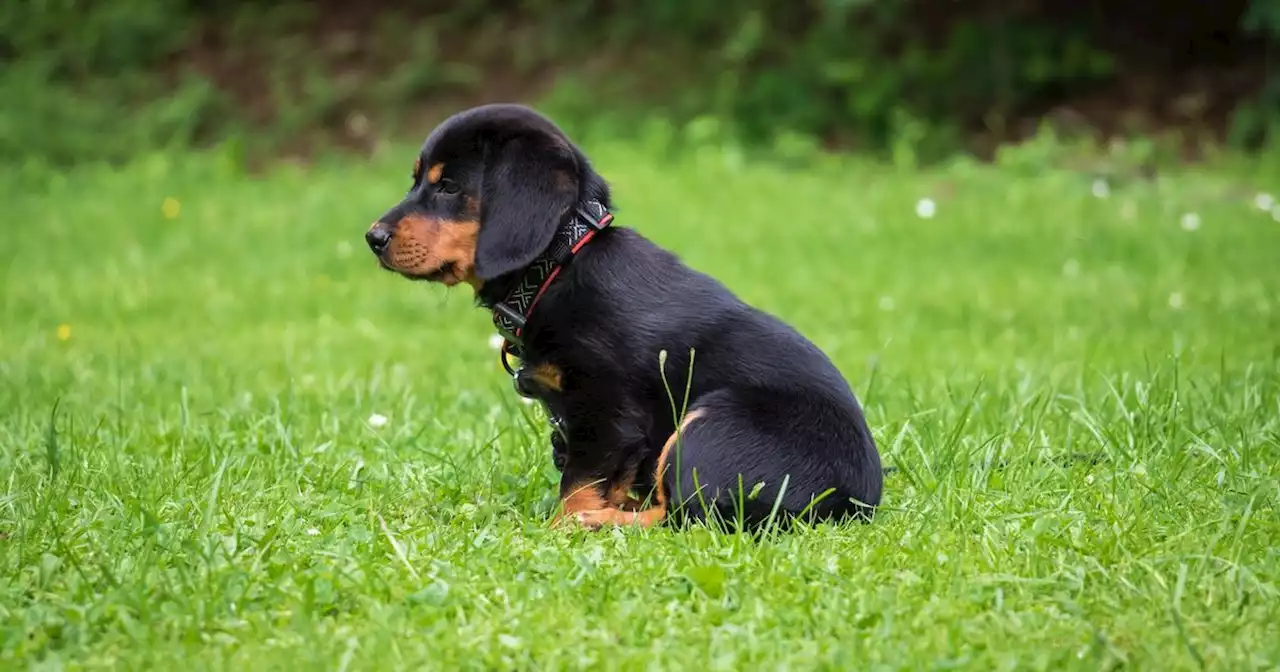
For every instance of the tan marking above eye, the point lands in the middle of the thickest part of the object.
(436, 172)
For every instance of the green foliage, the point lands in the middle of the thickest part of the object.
(1258, 121)
(81, 80)
(871, 73)
(908, 79)
(1263, 16)
(111, 119)
(75, 39)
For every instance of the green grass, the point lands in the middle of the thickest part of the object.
(188, 479)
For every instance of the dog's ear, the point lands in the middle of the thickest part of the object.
(530, 182)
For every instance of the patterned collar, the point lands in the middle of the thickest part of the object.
(510, 314)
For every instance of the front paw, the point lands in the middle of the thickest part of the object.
(595, 518)
(573, 521)
(592, 519)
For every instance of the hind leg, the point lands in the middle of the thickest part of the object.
(755, 457)
(750, 456)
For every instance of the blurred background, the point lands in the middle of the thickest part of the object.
(915, 80)
(1022, 229)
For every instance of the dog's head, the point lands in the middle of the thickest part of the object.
(490, 187)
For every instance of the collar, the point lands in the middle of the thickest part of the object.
(511, 313)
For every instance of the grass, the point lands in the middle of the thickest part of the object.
(188, 478)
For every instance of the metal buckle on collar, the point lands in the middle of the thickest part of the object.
(557, 423)
(510, 313)
(504, 353)
(520, 383)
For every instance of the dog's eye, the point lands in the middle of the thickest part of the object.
(448, 187)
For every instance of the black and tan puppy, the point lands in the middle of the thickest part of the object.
(503, 201)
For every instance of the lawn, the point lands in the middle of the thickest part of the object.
(190, 359)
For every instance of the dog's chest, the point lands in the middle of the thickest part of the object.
(545, 384)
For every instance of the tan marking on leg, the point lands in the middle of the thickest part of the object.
(661, 466)
(595, 518)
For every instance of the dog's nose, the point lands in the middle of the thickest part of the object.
(378, 237)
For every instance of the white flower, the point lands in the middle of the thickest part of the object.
(925, 208)
(377, 420)
(1190, 221)
(495, 342)
(1101, 189)
(1175, 300)
(312, 532)
(1264, 201)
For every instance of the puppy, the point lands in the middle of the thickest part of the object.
(673, 399)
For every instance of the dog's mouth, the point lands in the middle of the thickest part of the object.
(447, 274)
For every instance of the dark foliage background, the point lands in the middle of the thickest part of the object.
(104, 79)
